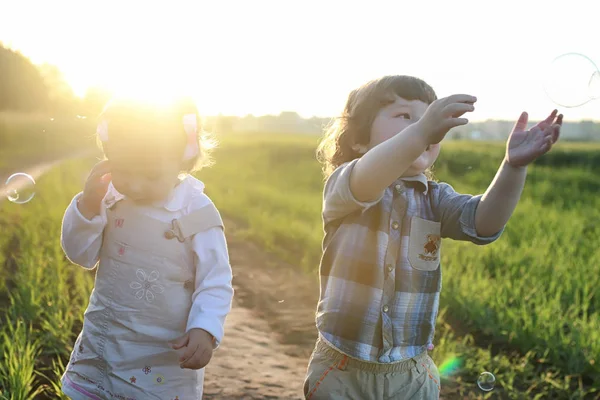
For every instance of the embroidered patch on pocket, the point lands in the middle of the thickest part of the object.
(431, 247)
(424, 244)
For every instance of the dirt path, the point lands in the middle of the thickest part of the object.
(35, 170)
(251, 363)
(270, 332)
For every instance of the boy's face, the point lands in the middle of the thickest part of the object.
(395, 117)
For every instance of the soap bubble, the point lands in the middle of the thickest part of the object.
(20, 188)
(486, 381)
(594, 86)
(572, 80)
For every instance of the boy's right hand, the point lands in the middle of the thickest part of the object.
(444, 114)
(95, 189)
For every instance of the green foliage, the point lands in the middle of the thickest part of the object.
(22, 87)
(533, 296)
(524, 308)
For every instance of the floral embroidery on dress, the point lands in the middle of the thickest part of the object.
(132, 379)
(145, 287)
(159, 379)
(147, 370)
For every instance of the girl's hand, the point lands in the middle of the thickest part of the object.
(524, 146)
(95, 189)
(444, 114)
(198, 345)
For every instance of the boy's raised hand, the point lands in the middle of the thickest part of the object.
(444, 114)
(524, 145)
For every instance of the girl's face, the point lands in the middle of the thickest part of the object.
(144, 180)
(394, 118)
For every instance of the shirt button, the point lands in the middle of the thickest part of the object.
(390, 267)
(395, 225)
(386, 308)
(399, 188)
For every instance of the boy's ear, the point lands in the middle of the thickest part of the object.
(359, 148)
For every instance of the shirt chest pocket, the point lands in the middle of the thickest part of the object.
(424, 244)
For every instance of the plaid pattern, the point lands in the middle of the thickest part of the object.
(375, 304)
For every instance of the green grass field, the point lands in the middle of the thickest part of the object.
(524, 308)
(531, 299)
(40, 138)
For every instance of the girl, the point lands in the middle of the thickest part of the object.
(384, 220)
(163, 283)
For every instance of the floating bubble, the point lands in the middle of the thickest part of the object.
(572, 80)
(20, 188)
(486, 381)
(594, 86)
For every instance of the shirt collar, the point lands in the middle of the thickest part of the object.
(178, 199)
(420, 180)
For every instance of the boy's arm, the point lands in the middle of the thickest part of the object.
(457, 214)
(493, 210)
(81, 238)
(522, 148)
(379, 167)
(500, 199)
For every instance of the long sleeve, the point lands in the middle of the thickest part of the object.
(457, 214)
(211, 301)
(81, 238)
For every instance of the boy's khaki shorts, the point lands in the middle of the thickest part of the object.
(333, 375)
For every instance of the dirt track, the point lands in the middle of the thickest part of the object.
(270, 332)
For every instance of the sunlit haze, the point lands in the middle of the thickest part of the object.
(264, 57)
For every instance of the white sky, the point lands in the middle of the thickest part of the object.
(256, 56)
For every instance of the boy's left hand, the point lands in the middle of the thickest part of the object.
(524, 146)
(198, 345)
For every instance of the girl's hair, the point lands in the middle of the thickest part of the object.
(155, 130)
(353, 126)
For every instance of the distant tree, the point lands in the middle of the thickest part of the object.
(60, 93)
(94, 100)
(22, 87)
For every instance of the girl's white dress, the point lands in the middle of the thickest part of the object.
(163, 270)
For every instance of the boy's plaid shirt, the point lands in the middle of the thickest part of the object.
(380, 270)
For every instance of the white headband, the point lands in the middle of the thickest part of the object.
(190, 125)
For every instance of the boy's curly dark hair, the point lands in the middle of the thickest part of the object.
(353, 126)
